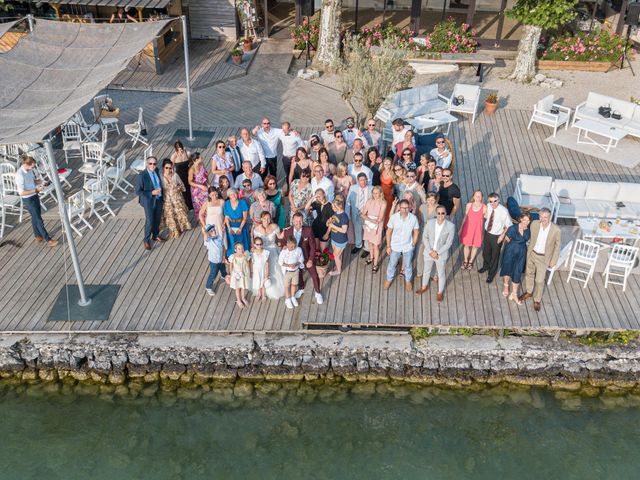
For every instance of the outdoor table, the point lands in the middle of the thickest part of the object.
(612, 134)
(626, 230)
(432, 121)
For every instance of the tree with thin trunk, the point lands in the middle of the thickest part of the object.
(328, 53)
(368, 75)
(536, 15)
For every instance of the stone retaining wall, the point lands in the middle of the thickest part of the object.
(202, 358)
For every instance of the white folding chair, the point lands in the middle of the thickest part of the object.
(42, 165)
(48, 188)
(115, 175)
(137, 130)
(11, 199)
(71, 141)
(98, 198)
(621, 261)
(92, 159)
(6, 167)
(563, 259)
(140, 164)
(76, 207)
(108, 123)
(583, 261)
(90, 132)
(468, 99)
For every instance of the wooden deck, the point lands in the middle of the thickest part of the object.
(163, 290)
(208, 62)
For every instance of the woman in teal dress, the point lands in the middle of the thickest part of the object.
(514, 256)
(274, 194)
(236, 214)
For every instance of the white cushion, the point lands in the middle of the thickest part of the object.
(538, 201)
(628, 192)
(596, 100)
(622, 107)
(633, 127)
(573, 189)
(631, 210)
(636, 114)
(545, 104)
(535, 184)
(602, 191)
(576, 208)
(428, 92)
(602, 208)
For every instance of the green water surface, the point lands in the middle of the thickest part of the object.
(293, 432)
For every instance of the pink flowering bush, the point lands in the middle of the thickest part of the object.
(308, 30)
(400, 38)
(449, 37)
(596, 46)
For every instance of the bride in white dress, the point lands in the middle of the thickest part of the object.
(268, 231)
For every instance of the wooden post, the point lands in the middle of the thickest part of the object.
(503, 7)
(139, 14)
(623, 10)
(414, 23)
(266, 19)
(298, 10)
(471, 11)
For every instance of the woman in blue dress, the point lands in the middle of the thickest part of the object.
(236, 214)
(514, 256)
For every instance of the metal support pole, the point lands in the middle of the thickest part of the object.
(355, 21)
(30, 20)
(64, 215)
(185, 41)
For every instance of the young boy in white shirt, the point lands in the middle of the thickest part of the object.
(291, 260)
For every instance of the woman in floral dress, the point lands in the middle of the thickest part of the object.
(199, 182)
(174, 208)
(299, 194)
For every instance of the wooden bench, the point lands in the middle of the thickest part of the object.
(481, 59)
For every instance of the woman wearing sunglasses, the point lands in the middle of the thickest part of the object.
(174, 209)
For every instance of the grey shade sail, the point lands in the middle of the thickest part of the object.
(5, 27)
(56, 69)
(114, 3)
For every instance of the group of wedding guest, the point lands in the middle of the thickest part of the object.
(340, 187)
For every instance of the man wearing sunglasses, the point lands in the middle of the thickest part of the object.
(437, 239)
(449, 194)
(372, 137)
(149, 192)
(401, 237)
(496, 224)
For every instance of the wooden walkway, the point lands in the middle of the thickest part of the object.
(163, 290)
(208, 62)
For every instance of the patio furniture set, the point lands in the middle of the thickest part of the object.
(102, 173)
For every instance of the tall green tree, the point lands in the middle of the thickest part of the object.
(536, 15)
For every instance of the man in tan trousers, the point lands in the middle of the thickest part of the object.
(543, 252)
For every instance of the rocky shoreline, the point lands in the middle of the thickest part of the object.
(176, 360)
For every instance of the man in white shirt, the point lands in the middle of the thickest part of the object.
(496, 223)
(358, 167)
(252, 152)
(291, 260)
(291, 141)
(356, 198)
(269, 137)
(402, 236)
(249, 174)
(328, 134)
(28, 189)
(543, 252)
(437, 239)
(398, 128)
(320, 181)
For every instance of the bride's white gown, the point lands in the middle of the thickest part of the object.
(276, 289)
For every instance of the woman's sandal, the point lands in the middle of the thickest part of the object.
(514, 297)
(505, 289)
(240, 304)
(465, 266)
(375, 268)
(368, 261)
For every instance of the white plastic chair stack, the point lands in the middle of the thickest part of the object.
(11, 199)
(90, 132)
(98, 198)
(76, 206)
(583, 261)
(137, 130)
(139, 164)
(71, 141)
(469, 98)
(621, 261)
(565, 253)
(115, 175)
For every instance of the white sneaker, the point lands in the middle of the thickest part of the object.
(288, 303)
(210, 292)
(294, 302)
(319, 299)
(299, 293)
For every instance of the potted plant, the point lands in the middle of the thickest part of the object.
(491, 103)
(236, 56)
(247, 44)
(323, 259)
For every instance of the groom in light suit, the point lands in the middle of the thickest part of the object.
(356, 198)
(437, 240)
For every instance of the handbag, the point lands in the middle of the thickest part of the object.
(616, 115)
(457, 101)
(555, 110)
(605, 111)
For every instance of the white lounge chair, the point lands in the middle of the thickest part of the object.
(468, 99)
(583, 261)
(621, 261)
(542, 114)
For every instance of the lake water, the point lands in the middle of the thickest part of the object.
(292, 431)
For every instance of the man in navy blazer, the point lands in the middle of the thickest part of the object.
(150, 196)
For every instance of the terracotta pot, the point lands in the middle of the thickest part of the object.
(490, 107)
(237, 59)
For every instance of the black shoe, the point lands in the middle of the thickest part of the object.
(482, 270)
(489, 279)
(364, 254)
(355, 250)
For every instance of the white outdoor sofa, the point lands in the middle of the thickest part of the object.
(535, 191)
(578, 198)
(412, 103)
(630, 112)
